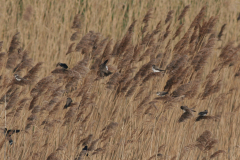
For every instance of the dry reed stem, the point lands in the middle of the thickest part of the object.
(217, 153)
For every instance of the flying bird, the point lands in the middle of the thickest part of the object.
(17, 77)
(69, 101)
(8, 134)
(63, 65)
(187, 113)
(156, 69)
(162, 94)
(103, 68)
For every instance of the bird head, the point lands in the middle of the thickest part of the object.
(184, 107)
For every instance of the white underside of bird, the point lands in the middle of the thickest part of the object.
(155, 70)
(17, 78)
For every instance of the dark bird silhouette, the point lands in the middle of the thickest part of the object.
(187, 113)
(69, 101)
(202, 115)
(156, 69)
(82, 154)
(103, 69)
(8, 134)
(85, 149)
(162, 94)
(63, 65)
(17, 77)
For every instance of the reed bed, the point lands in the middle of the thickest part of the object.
(90, 111)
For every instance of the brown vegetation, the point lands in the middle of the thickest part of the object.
(114, 109)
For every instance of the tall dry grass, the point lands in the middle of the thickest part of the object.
(120, 116)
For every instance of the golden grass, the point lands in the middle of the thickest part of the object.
(120, 116)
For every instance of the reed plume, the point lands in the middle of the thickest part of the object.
(146, 20)
(184, 11)
(169, 16)
(70, 48)
(13, 51)
(217, 153)
(75, 36)
(28, 13)
(77, 22)
(220, 34)
(32, 74)
(205, 142)
(126, 39)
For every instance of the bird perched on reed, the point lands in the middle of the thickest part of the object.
(103, 69)
(156, 69)
(85, 149)
(17, 77)
(8, 134)
(162, 94)
(202, 115)
(69, 101)
(187, 113)
(63, 65)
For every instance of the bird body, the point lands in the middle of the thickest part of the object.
(69, 101)
(63, 65)
(8, 134)
(85, 148)
(162, 94)
(17, 77)
(203, 113)
(103, 69)
(156, 69)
